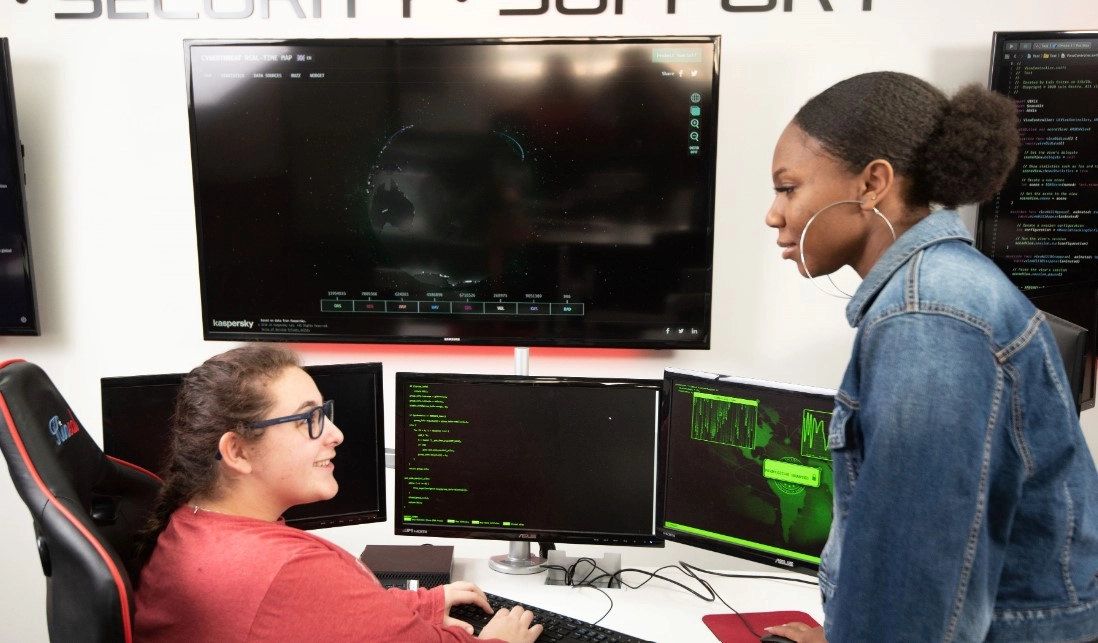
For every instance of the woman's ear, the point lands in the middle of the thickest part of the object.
(878, 179)
(233, 452)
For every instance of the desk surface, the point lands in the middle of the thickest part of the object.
(659, 610)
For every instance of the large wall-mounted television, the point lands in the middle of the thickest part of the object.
(137, 416)
(1041, 228)
(19, 312)
(523, 192)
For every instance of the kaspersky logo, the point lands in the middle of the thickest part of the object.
(62, 431)
(232, 323)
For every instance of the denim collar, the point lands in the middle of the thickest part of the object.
(938, 226)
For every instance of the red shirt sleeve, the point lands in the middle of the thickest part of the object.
(430, 604)
(319, 595)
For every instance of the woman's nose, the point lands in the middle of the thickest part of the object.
(336, 436)
(774, 218)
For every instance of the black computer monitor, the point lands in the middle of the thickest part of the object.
(508, 191)
(18, 310)
(1040, 228)
(745, 469)
(137, 414)
(562, 459)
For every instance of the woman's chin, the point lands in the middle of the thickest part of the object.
(323, 492)
(816, 271)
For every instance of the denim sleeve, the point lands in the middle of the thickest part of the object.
(914, 559)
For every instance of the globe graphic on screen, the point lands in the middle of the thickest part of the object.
(446, 204)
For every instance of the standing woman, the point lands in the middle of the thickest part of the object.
(966, 501)
(251, 437)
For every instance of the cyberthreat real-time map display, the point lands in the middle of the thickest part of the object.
(518, 192)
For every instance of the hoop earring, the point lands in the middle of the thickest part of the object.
(804, 233)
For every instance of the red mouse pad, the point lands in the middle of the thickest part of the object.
(730, 628)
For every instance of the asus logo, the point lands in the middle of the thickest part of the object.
(451, 339)
(782, 561)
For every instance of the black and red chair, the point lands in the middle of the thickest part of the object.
(87, 508)
(1071, 339)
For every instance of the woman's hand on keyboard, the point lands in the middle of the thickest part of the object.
(462, 593)
(512, 625)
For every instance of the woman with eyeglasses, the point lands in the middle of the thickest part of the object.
(966, 500)
(251, 438)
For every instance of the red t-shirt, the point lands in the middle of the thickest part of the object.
(215, 577)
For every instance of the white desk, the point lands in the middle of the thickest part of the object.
(658, 611)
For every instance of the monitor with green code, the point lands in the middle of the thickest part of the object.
(744, 468)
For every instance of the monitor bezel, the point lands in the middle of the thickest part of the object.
(999, 40)
(130, 381)
(671, 376)
(1084, 288)
(358, 517)
(400, 528)
(306, 522)
(7, 97)
(702, 340)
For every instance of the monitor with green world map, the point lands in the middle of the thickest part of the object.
(744, 468)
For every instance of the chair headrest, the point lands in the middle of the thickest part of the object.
(66, 458)
(51, 457)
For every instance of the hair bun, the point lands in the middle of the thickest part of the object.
(973, 149)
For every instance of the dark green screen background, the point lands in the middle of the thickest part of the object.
(720, 488)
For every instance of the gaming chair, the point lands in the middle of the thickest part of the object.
(86, 506)
(1071, 339)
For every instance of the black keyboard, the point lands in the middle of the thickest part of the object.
(558, 627)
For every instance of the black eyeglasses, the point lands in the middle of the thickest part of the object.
(314, 417)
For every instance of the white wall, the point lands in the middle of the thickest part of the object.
(102, 108)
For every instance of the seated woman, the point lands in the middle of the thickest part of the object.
(251, 437)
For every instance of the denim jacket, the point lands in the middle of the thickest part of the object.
(966, 500)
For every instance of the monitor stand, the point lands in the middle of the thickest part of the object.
(518, 559)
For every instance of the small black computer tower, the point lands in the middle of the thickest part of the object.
(395, 565)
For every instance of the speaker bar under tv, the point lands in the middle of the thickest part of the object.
(521, 192)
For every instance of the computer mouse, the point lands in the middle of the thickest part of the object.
(775, 638)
